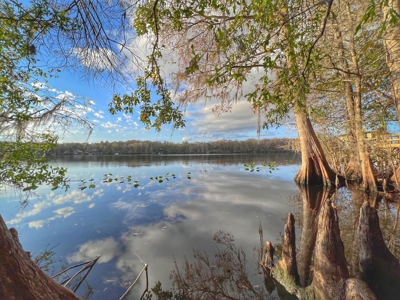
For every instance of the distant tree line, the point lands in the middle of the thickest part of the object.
(150, 147)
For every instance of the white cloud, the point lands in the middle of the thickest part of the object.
(37, 208)
(74, 196)
(66, 95)
(99, 114)
(65, 212)
(108, 248)
(37, 224)
(111, 125)
(99, 193)
(240, 120)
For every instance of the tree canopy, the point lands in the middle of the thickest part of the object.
(37, 41)
(323, 61)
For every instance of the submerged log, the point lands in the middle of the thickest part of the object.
(330, 267)
(378, 267)
(20, 277)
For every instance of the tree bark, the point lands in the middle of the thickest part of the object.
(20, 277)
(378, 267)
(288, 262)
(312, 199)
(330, 267)
(315, 169)
(352, 171)
(353, 93)
(392, 47)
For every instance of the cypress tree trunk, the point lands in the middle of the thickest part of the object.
(315, 169)
(20, 277)
(330, 267)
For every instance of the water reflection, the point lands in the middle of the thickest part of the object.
(159, 223)
(155, 222)
(364, 250)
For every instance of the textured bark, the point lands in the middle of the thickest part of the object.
(368, 176)
(356, 289)
(352, 171)
(357, 198)
(315, 169)
(392, 47)
(312, 199)
(268, 257)
(330, 267)
(288, 262)
(378, 267)
(20, 277)
(267, 264)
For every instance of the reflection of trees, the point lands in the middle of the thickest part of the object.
(223, 277)
(312, 199)
(368, 243)
(280, 158)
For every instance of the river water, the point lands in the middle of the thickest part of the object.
(155, 222)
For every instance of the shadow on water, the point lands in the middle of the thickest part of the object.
(360, 260)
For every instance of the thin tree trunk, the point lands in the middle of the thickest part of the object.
(369, 179)
(352, 171)
(20, 277)
(315, 169)
(392, 46)
(391, 43)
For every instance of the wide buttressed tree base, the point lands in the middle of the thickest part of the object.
(21, 278)
(315, 169)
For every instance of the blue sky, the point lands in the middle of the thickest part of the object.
(201, 123)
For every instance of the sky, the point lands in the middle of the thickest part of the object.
(201, 123)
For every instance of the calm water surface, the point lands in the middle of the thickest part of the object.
(155, 222)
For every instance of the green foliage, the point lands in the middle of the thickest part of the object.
(221, 44)
(26, 110)
(23, 165)
(152, 114)
(391, 16)
(271, 166)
